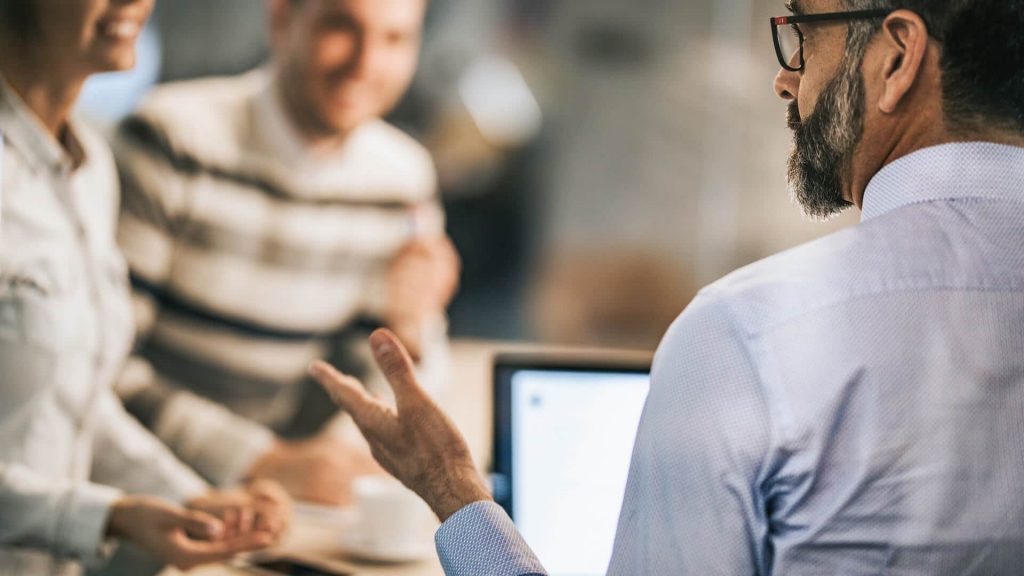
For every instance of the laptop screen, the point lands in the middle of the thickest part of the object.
(567, 438)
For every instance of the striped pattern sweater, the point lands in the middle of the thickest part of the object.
(251, 256)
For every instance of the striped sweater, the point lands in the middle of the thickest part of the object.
(251, 256)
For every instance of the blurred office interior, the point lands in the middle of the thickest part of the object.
(599, 160)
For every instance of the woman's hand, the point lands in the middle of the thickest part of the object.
(261, 505)
(273, 506)
(182, 538)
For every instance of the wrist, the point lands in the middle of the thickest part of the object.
(455, 495)
(449, 507)
(117, 521)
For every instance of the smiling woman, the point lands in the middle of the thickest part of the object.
(101, 33)
(69, 453)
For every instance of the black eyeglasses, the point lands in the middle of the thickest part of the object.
(789, 39)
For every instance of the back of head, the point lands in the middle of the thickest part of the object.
(982, 59)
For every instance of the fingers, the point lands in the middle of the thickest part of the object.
(199, 524)
(235, 518)
(268, 490)
(346, 392)
(188, 553)
(450, 254)
(246, 519)
(273, 506)
(230, 516)
(397, 366)
(270, 520)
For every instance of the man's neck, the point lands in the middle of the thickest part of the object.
(51, 95)
(316, 140)
(925, 135)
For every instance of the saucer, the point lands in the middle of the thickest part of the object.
(326, 516)
(358, 549)
(345, 522)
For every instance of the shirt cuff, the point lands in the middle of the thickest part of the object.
(480, 540)
(85, 526)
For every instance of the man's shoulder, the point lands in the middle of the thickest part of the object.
(197, 117)
(382, 157)
(206, 96)
(835, 268)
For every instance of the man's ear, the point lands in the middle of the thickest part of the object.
(279, 16)
(905, 43)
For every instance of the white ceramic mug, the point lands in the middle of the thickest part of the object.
(392, 522)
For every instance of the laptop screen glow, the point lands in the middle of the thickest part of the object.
(572, 440)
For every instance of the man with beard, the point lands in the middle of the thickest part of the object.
(269, 218)
(851, 406)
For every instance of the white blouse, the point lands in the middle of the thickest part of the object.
(67, 447)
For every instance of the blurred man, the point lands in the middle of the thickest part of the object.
(266, 218)
(854, 405)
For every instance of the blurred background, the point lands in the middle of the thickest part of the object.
(599, 160)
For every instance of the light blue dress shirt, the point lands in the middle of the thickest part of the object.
(851, 406)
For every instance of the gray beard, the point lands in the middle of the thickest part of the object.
(825, 143)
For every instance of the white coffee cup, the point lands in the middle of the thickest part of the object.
(391, 522)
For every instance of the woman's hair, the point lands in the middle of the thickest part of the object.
(982, 58)
(18, 17)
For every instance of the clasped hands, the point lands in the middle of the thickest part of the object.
(414, 441)
(213, 527)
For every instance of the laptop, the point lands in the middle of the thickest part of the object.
(564, 428)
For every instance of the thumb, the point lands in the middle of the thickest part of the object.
(199, 524)
(345, 391)
(397, 366)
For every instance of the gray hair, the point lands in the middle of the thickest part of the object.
(982, 57)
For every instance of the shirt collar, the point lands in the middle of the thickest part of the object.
(24, 130)
(277, 134)
(947, 172)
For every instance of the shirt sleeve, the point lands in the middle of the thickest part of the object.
(692, 503)
(219, 444)
(63, 516)
(128, 456)
(480, 540)
(68, 519)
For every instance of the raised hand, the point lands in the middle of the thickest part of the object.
(417, 443)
